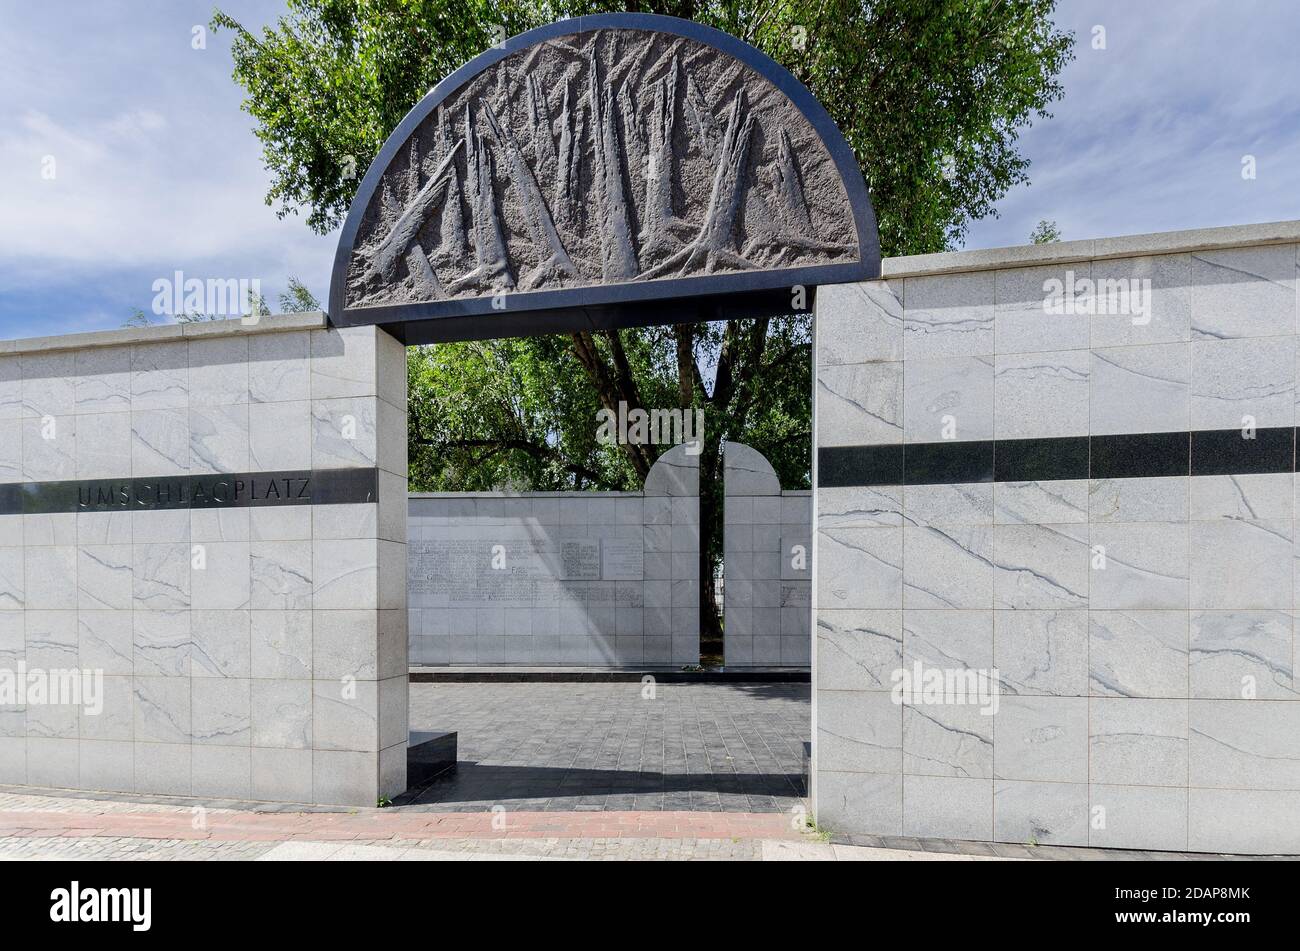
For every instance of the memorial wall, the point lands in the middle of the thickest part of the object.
(202, 529)
(559, 578)
(767, 559)
(1054, 576)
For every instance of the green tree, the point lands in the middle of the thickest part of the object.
(930, 94)
(1045, 232)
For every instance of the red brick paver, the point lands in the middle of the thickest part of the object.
(379, 825)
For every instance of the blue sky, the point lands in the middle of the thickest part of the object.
(156, 168)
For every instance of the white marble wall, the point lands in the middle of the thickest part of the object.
(247, 653)
(767, 565)
(1149, 699)
(557, 619)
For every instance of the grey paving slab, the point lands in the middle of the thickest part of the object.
(612, 747)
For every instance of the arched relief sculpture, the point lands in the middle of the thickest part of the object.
(598, 155)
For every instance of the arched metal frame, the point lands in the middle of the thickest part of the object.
(638, 303)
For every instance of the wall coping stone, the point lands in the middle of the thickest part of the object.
(507, 494)
(275, 323)
(1093, 249)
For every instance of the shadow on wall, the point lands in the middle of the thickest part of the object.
(555, 579)
(767, 561)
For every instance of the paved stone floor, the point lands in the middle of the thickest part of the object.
(614, 746)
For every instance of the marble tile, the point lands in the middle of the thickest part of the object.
(160, 376)
(281, 644)
(1040, 503)
(282, 775)
(1164, 286)
(11, 451)
(1137, 817)
(103, 380)
(221, 711)
(1041, 653)
(49, 449)
(281, 714)
(280, 435)
(1138, 500)
(1040, 813)
(1043, 739)
(279, 367)
(1041, 394)
(948, 398)
(1143, 389)
(221, 771)
(1244, 292)
(1246, 497)
(104, 577)
(1025, 321)
(859, 730)
(1040, 566)
(947, 567)
(860, 404)
(345, 777)
(218, 371)
(106, 641)
(949, 640)
(1141, 565)
(343, 363)
(948, 315)
(1240, 564)
(162, 769)
(860, 568)
(1257, 822)
(859, 323)
(11, 387)
(1138, 653)
(219, 438)
(281, 575)
(947, 807)
(345, 717)
(344, 644)
(160, 442)
(345, 574)
(947, 740)
(51, 582)
(1138, 742)
(343, 433)
(863, 803)
(104, 447)
(219, 525)
(106, 765)
(1243, 655)
(968, 503)
(49, 382)
(162, 710)
(1245, 744)
(220, 644)
(220, 576)
(858, 650)
(1238, 383)
(162, 643)
(13, 580)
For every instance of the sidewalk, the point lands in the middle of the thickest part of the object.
(55, 827)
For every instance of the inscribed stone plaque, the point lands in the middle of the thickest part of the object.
(622, 559)
(580, 560)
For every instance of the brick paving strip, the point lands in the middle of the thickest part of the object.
(380, 825)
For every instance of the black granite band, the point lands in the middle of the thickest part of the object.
(207, 490)
(1128, 456)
